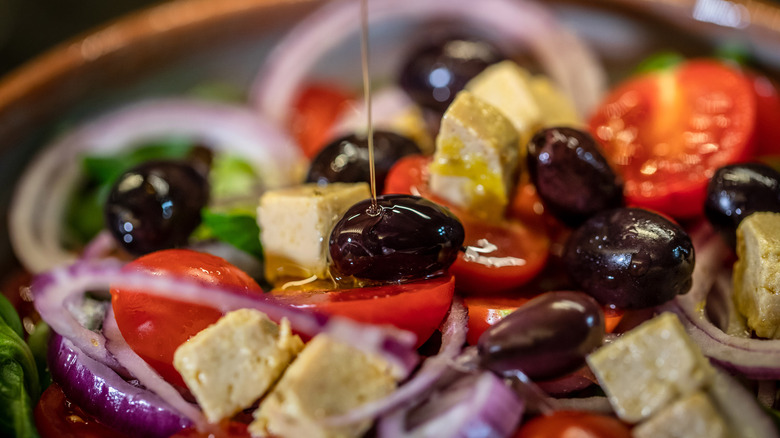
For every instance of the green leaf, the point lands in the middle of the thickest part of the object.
(659, 61)
(237, 228)
(19, 385)
(9, 316)
(734, 52)
(232, 177)
(38, 341)
(105, 169)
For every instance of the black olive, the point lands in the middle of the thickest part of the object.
(436, 72)
(630, 258)
(346, 159)
(156, 206)
(572, 177)
(408, 238)
(737, 191)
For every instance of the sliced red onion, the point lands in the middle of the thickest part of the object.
(104, 394)
(145, 374)
(745, 417)
(387, 103)
(100, 246)
(478, 405)
(515, 23)
(766, 392)
(595, 404)
(38, 204)
(755, 358)
(55, 288)
(453, 337)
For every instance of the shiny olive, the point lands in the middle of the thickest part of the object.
(435, 72)
(407, 238)
(738, 190)
(156, 205)
(346, 159)
(547, 337)
(572, 177)
(630, 258)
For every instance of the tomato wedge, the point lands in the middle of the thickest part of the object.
(667, 131)
(155, 327)
(315, 111)
(571, 424)
(486, 311)
(418, 307)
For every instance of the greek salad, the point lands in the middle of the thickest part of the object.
(546, 257)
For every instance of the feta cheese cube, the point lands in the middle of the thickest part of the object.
(649, 367)
(476, 157)
(232, 363)
(556, 108)
(757, 273)
(694, 416)
(295, 226)
(507, 87)
(328, 378)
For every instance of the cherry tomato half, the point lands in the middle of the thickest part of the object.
(570, 424)
(418, 307)
(155, 327)
(667, 131)
(315, 111)
(767, 115)
(57, 417)
(486, 311)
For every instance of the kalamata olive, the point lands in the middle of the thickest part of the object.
(737, 191)
(346, 159)
(156, 205)
(572, 177)
(408, 238)
(547, 337)
(435, 72)
(630, 258)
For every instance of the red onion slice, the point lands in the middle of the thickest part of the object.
(478, 405)
(53, 289)
(145, 374)
(104, 394)
(38, 204)
(755, 358)
(745, 417)
(453, 337)
(515, 23)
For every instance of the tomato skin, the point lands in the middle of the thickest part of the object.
(767, 115)
(573, 424)
(57, 417)
(315, 111)
(418, 307)
(154, 327)
(667, 131)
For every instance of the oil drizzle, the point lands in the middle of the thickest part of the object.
(373, 209)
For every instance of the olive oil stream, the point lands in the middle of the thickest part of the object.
(373, 209)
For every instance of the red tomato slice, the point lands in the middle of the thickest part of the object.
(418, 307)
(155, 327)
(530, 247)
(767, 115)
(57, 417)
(571, 424)
(315, 111)
(486, 311)
(667, 131)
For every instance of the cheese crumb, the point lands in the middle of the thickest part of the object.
(694, 416)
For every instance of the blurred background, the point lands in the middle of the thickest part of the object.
(30, 27)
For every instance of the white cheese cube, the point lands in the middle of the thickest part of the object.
(507, 87)
(476, 157)
(328, 378)
(757, 273)
(694, 416)
(232, 363)
(649, 367)
(555, 108)
(295, 226)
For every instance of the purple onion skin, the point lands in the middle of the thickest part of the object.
(103, 394)
(546, 338)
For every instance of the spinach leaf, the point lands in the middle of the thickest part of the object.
(9, 316)
(38, 341)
